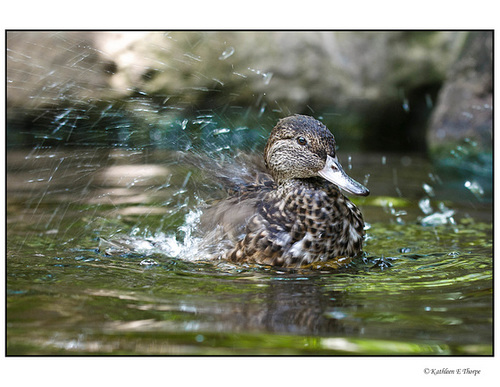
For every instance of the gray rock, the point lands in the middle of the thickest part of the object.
(465, 105)
(287, 70)
(369, 83)
(48, 69)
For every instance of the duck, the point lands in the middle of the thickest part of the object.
(295, 213)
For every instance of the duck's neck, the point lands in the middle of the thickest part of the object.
(313, 183)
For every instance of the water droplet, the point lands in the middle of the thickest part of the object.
(262, 109)
(149, 262)
(475, 188)
(199, 338)
(435, 178)
(428, 189)
(226, 53)
(218, 81)
(188, 175)
(384, 160)
(239, 74)
(192, 56)
(406, 105)
(217, 132)
(470, 142)
(462, 150)
(267, 78)
(425, 206)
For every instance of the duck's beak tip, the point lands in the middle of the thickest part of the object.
(334, 173)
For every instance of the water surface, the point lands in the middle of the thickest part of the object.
(424, 285)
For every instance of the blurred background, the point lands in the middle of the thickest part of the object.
(394, 91)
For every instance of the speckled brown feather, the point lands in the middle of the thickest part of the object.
(298, 224)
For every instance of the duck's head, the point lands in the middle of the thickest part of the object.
(301, 147)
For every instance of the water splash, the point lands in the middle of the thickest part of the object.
(388, 207)
(445, 216)
(428, 189)
(182, 244)
(425, 205)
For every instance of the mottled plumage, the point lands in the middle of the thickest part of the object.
(298, 215)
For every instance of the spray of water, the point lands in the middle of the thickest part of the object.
(83, 101)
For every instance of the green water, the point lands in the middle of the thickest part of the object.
(419, 289)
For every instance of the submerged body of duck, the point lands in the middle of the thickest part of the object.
(296, 215)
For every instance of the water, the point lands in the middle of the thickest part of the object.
(102, 251)
(423, 287)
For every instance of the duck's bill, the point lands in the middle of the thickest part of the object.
(334, 173)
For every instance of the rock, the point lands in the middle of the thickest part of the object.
(284, 70)
(461, 128)
(374, 85)
(47, 69)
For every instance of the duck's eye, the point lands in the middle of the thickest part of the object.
(301, 140)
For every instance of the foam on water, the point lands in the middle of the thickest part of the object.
(183, 244)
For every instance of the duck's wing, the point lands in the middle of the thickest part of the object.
(231, 214)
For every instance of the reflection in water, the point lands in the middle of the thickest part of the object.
(288, 306)
(285, 306)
